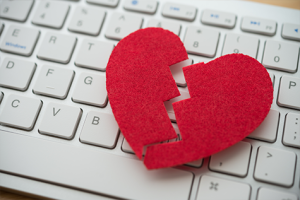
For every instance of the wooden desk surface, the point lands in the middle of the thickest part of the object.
(284, 3)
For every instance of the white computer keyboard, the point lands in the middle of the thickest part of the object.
(59, 139)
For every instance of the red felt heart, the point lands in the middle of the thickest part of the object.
(230, 97)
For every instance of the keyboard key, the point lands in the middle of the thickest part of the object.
(218, 18)
(51, 14)
(87, 20)
(20, 40)
(265, 194)
(126, 147)
(235, 43)
(179, 11)
(169, 107)
(201, 41)
(20, 112)
(57, 47)
(269, 167)
(291, 31)
(272, 76)
(233, 160)
(260, 26)
(143, 6)
(56, 162)
(289, 92)
(15, 9)
(120, 25)
(16, 74)
(109, 3)
(91, 89)
(54, 82)
(171, 26)
(60, 120)
(177, 72)
(267, 130)
(100, 129)
(1, 28)
(291, 132)
(281, 56)
(216, 188)
(94, 54)
(1, 96)
(196, 163)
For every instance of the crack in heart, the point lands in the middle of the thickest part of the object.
(230, 97)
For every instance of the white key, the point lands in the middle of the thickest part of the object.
(94, 54)
(201, 41)
(291, 135)
(272, 76)
(196, 163)
(258, 25)
(51, 14)
(270, 168)
(109, 3)
(268, 194)
(97, 171)
(91, 89)
(87, 20)
(289, 92)
(169, 107)
(144, 6)
(54, 82)
(126, 147)
(281, 56)
(211, 188)
(15, 10)
(20, 112)
(57, 47)
(120, 25)
(235, 43)
(267, 130)
(179, 11)
(218, 18)
(177, 72)
(171, 26)
(1, 96)
(234, 160)
(20, 40)
(16, 74)
(291, 31)
(1, 28)
(100, 129)
(60, 120)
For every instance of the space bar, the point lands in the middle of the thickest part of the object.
(90, 170)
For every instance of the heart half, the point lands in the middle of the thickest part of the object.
(230, 97)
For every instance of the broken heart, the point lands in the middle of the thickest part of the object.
(230, 97)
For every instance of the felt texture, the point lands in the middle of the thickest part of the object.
(230, 97)
(139, 80)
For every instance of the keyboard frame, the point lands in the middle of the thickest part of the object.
(240, 8)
